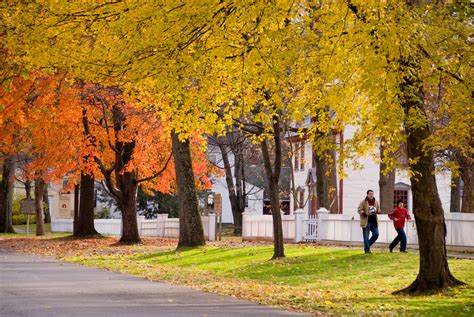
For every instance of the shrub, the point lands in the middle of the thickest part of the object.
(19, 218)
(102, 213)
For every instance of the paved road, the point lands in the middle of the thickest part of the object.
(35, 287)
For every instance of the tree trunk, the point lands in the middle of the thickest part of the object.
(386, 185)
(231, 189)
(123, 187)
(76, 209)
(467, 176)
(278, 242)
(28, 190)
(6, 195)
(244, 190)
(273, 176)
(85, 221)
(434, 271)
(455, 204)
(321, 182)
(191, 233)
(326, 177)
(240, 192)
(326, 172)
(39, 189)
(126, 180)
(128, 203)
(47, 214)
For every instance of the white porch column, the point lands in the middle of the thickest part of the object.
(299, 225)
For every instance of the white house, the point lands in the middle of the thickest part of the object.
(354, 185)
(357, 182)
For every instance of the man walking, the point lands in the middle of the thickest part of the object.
(368, 210)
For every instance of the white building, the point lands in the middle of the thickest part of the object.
(357, 182)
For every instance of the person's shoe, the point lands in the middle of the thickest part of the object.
(403, 252)
(368, 252)
(391, 249)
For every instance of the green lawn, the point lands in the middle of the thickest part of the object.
(47, 227)
(20, 231)
(332, 280)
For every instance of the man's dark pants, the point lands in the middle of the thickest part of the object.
(371, 227)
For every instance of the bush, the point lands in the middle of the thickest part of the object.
(102, 213)
(19, 218)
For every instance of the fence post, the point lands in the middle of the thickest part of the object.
(139, 223)
(320, 233)
(211, 227)
(245, 225)
(299, 225)
(160, 223)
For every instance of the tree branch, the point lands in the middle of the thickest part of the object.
(157, 173)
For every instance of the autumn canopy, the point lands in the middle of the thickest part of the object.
(125, 91)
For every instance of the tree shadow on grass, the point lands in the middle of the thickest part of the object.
(336, 264)
(253, 263)
(78, 238)
(450, 304)
(202, 256)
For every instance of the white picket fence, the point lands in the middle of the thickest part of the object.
(163, 226)
(260, 227)
(346, 228)
(311, 226)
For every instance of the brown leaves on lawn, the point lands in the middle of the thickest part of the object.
(60, 247)
(72, 246)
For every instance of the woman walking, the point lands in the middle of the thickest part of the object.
(398, 215)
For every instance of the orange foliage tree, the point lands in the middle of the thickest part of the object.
(34, 122)
(129, 145)
(93, 132)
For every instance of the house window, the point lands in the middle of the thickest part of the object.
(285, 206)
(400, 194)
(267, 207)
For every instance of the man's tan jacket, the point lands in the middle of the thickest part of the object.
(363, 211)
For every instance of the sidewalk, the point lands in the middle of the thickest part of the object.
(36, 286)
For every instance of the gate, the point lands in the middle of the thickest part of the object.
(310, 225)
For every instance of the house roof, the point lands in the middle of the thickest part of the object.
(402, 185)
(255, 175)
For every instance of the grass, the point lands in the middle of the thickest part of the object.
(20, 232)
(328, 280)
(47, 227)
